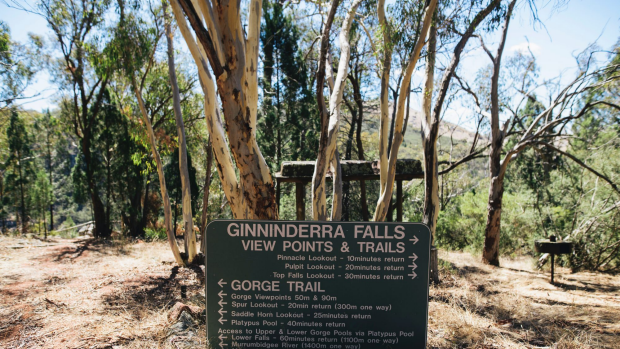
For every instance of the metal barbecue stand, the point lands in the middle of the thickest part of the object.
(553, 247)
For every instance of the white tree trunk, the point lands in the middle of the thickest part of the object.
(162, 180)
(430, 130)
(384, 100)
(224, 42)
(328, 151)
(388, 174)
(188, 224)
(337, 187)
(251, 76)
(215, 127)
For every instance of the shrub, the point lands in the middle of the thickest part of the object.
(154, 234)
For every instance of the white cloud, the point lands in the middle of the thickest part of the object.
(523, 48)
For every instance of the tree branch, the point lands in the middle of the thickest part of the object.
(582, 164)
(203, 36)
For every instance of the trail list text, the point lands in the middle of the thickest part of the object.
(289, 284)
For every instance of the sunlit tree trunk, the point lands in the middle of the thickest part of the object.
(328, 152)
(384, 112)
(160, 172)
(388, 161)
(234, 60)
(188, 224)
(319, 204)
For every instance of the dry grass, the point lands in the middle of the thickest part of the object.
(82, 294)
(479, 306)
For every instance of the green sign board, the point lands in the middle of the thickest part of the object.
(305, 284)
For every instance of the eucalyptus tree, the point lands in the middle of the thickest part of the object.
(359, 78)
(330, 118)
(387, 160)
(144, 73)
(188, 224)
(595, 141)
(480, 11)
(521, 130)
(141, 67)
(174, 182)
(82, 72)
(233, 57)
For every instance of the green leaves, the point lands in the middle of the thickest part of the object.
(18, 65)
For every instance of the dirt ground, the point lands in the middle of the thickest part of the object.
(84, 294)
(515, 306)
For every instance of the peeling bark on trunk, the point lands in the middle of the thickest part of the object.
(188, 224)
(253, 195)
(258, 198)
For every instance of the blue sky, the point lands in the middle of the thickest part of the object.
(569, 30)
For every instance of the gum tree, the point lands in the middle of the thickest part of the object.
(387, 160)
(521, 130)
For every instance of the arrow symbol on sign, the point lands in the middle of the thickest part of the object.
(222, 283)
(221, 303)
(413, 266)
(222, 345)
(221, 320)
(222, 337)
(222, 311)
(415, 239)
(413, 275)
(414, 257)
(222, 294)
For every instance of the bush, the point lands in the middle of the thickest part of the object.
(154, 234)
(66, 234)
(461, 225)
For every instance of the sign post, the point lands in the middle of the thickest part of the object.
(305, 284)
